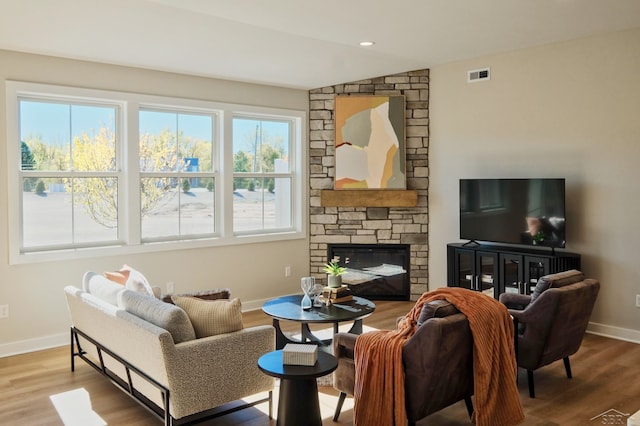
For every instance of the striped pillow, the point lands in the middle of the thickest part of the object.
(211, 317)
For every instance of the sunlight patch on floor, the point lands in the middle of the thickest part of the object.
(74, 408)
(327, 333)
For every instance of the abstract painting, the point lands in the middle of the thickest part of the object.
(370, 137)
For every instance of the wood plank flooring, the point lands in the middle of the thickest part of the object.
(606, 376)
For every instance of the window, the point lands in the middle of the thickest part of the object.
(179, 172)
(177, 183)
(262, 177)
(68, 174)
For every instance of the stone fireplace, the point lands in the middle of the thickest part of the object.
(384, 217)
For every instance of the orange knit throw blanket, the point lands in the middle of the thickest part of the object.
(379, 388)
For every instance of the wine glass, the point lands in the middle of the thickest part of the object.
(316, 292)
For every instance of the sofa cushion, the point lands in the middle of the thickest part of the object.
(212, 317)
(559, 279)
(436, 309)
(169, 317)
(101, 287)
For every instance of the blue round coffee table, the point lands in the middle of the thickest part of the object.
(288, 308)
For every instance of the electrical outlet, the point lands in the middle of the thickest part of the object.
(287, 271)
(4, 311)
(170, 287)
(637, 300)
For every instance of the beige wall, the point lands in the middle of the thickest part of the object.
(254, 272)
(568, 110)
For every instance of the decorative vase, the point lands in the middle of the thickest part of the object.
(334, 281)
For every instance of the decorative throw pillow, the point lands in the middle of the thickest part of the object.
(101, 287)
(164, 315)
(211, 317)
(133, 280)
(212, 294)
(138, 282)
(119, 277)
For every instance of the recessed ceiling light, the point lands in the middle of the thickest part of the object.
(367, 43)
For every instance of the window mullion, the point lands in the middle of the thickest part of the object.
(130, 143)
(226, 175)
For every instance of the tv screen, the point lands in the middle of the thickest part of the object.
(513, 211)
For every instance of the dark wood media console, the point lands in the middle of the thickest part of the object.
(495, 269)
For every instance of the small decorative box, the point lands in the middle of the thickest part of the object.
(299, 354)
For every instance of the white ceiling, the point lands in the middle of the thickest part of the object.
(299, 43)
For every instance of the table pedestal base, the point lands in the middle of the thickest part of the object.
(298, 403)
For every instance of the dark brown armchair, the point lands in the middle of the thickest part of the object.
(552, 320)
(437, 362)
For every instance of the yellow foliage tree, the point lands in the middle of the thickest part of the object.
(98, 195)
(158, 153)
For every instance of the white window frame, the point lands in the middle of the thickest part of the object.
(129, 230)
(214, 173)
(265, 175)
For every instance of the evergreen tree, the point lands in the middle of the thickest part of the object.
(28, 162)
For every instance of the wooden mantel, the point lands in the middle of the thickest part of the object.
(369, 198)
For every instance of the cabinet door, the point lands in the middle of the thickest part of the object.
(511, 273)
(464, 269)
(534, 268)
(487, 273)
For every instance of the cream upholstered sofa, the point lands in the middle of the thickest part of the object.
(148, 347)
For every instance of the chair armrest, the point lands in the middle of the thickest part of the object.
(520, 315)
(344, 344)
(343, 349)
(514, 300)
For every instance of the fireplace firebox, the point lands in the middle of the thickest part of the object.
(374, 271)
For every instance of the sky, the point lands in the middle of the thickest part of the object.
(55, 122)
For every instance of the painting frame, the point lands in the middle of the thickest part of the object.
(370, 137)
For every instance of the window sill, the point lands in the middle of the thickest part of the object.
(122, 250)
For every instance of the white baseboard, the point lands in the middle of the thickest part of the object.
(253, 305)
(619, 333)
(33, 345)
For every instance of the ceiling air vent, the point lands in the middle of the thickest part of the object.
(475, 76)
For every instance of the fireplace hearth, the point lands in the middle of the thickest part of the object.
(375, 271)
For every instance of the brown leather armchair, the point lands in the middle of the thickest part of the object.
(552, 320)
(437, 360)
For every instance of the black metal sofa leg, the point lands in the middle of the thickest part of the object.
(567, 366)
(339, 406)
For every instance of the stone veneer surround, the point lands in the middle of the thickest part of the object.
(371, 225)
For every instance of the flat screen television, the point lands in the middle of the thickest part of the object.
(513, 211)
